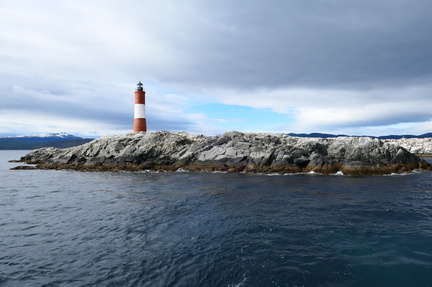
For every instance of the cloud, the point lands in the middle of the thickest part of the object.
(324, 64)
(323, 109)
(321, 44)
(87, 109)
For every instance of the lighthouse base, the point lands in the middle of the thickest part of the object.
(140, 125)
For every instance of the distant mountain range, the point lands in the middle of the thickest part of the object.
(320, 135)
(59, 140)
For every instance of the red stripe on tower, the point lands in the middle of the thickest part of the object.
(140, 124)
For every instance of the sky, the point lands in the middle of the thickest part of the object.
(358, 67)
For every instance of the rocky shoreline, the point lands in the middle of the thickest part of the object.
(418, 146)
(231, 152)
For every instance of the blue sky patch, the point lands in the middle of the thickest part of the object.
(242, 118)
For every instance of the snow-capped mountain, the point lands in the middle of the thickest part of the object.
(60, 140)
(61, 135)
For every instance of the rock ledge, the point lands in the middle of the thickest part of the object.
(231, 152)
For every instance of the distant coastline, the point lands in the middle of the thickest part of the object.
(57, 140)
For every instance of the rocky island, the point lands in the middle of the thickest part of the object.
(231, 152)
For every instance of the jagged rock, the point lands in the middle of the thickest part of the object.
(232, 151)
(419, 146)
(24, 167)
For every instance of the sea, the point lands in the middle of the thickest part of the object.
(67, 228)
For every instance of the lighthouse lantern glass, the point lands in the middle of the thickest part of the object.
(140, 86)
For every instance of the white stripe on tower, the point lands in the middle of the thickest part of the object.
(139, 111)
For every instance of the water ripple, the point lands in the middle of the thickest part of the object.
(190, 229)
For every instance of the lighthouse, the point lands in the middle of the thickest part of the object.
(140, 124)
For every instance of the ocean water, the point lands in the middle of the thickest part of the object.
(64, 228)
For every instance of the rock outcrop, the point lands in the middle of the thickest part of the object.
(232, 152)
(418, 146)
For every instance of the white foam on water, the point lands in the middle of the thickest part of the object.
(274, 174)
(241, 284)
(397, 174)
(147, 171)
(313, 173)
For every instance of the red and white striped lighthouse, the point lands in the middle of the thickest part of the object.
(140, 124)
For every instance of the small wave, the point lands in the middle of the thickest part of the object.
(147, 171)
(398, 174)
(274, 174)
(314, 173)
(301, 173)
(241, 284)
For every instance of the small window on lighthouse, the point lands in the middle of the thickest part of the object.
(140, 86)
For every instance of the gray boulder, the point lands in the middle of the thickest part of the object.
(418, 146)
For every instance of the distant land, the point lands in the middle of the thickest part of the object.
(58, 140)
(389, 137)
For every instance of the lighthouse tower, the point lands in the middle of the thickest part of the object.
(140, 124)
